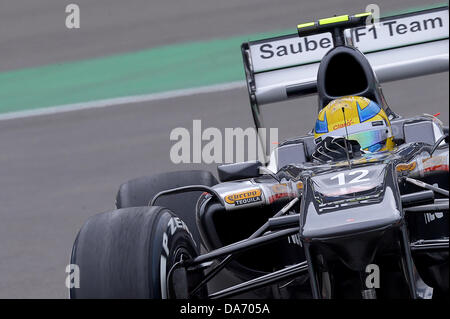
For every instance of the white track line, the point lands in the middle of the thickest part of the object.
(121, 100)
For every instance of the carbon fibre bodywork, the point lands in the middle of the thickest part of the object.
(333, 217)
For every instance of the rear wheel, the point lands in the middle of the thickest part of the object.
(128, 253)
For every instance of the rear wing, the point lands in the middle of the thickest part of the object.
(398, 47)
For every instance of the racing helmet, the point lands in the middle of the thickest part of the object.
(365, 121)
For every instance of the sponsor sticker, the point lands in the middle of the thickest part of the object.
(291, 50)
(280, 188)
(284, 191)
(400, 32)
(406, 167)
(279, 191)
(341, 125)
(349, 190)
(243, 198)
(436, 163)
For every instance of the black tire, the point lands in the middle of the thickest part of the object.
(120, 254)
(140, 191)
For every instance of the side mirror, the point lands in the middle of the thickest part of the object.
(438, 142)
(236, 171)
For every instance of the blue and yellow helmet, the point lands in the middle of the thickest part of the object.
(365, 122)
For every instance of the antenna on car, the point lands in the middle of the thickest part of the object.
(345, 140)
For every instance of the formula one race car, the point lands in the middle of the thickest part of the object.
(329, 215)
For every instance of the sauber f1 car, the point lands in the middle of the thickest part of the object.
(323, 217)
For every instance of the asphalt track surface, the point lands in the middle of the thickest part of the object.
(58, 170)
(32, 32)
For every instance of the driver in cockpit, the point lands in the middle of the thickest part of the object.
(351, 122)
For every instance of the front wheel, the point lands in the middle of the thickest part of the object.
(128, 253)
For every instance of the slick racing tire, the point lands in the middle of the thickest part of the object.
(140, 191)
(129, 253)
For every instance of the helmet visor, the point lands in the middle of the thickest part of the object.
(372, 140)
